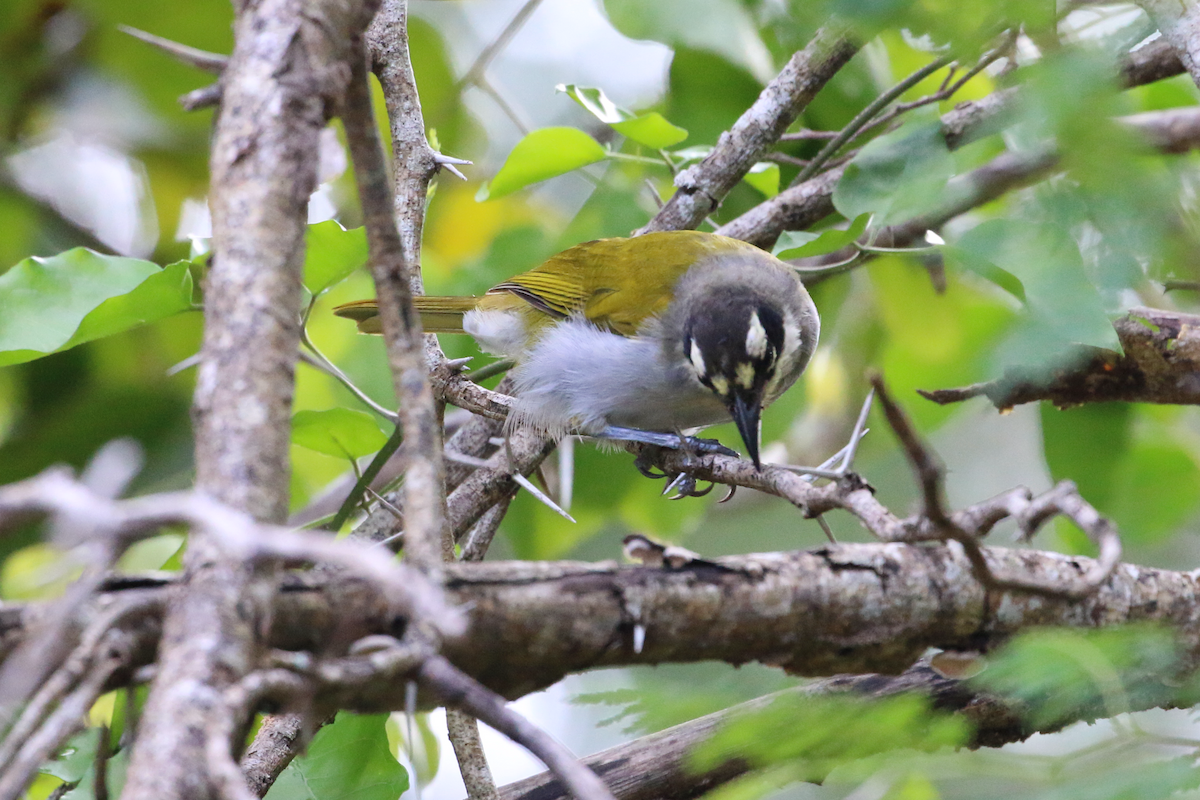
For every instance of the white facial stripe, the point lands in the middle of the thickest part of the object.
(745, 375)
(756, 337)
(697, 360)
(791, 344)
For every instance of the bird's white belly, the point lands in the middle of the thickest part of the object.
(577, 377)
(500, 333)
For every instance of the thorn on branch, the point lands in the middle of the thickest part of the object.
(450, 164)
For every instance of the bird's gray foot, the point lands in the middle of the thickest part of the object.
(683, 483)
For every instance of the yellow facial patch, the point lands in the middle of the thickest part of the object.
(720, 385)
(745, 375)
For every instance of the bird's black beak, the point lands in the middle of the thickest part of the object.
(746, 413)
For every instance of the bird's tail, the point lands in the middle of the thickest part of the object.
(438, 314)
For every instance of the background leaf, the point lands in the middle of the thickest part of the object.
(544, 153)
(347, 760)
(338, 432)
(51, 304)
(828, 241)
(897, 176)
(332, 253)
(650, 129)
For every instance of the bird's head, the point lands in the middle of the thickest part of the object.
(734, 344)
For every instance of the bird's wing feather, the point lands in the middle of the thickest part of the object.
(617, 284)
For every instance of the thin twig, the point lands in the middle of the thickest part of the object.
(865, 116)
(479, 539)
(475, 72)
(703, 186)
(364, 481)
(317, 360)
(100, 763)
(491, 370)
(457, 689)
(1064, 499)
(424, 478)
(69, 675)
(239, 703)
(66, 719)
(924, 462)
(212, 63)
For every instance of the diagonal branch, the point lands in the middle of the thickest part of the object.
(701, 188)
(456, 689)
(1179, 22)
(803, 205)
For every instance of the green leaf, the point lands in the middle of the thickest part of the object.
(1087, 445)
(969, 261)
(817, 733)
(332, 253)
(764, 176)
(1063, 306)
(544, 153)
(650, 129)
(341, 432)
(790, 241)
(74, 759)
(52, 304)
(596, 102)
(1158, 490)
(792, 246)
(897, 176)
(1060, 673)
(347, 760)
(118, 765)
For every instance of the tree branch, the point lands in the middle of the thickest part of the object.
(849, 608)
(456, 689)
(657, 766)
(395, 276)
(803, 205)
(287, 71)
(701, 188)
(1179, 23)
(1160, 364)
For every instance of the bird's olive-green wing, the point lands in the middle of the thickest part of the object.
(617, 284)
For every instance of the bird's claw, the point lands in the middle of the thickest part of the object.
(685, 486)
(646, 467)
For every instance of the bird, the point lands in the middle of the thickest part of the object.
(638, 339)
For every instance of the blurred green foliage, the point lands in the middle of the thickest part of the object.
(86, 110)
(348, 758)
